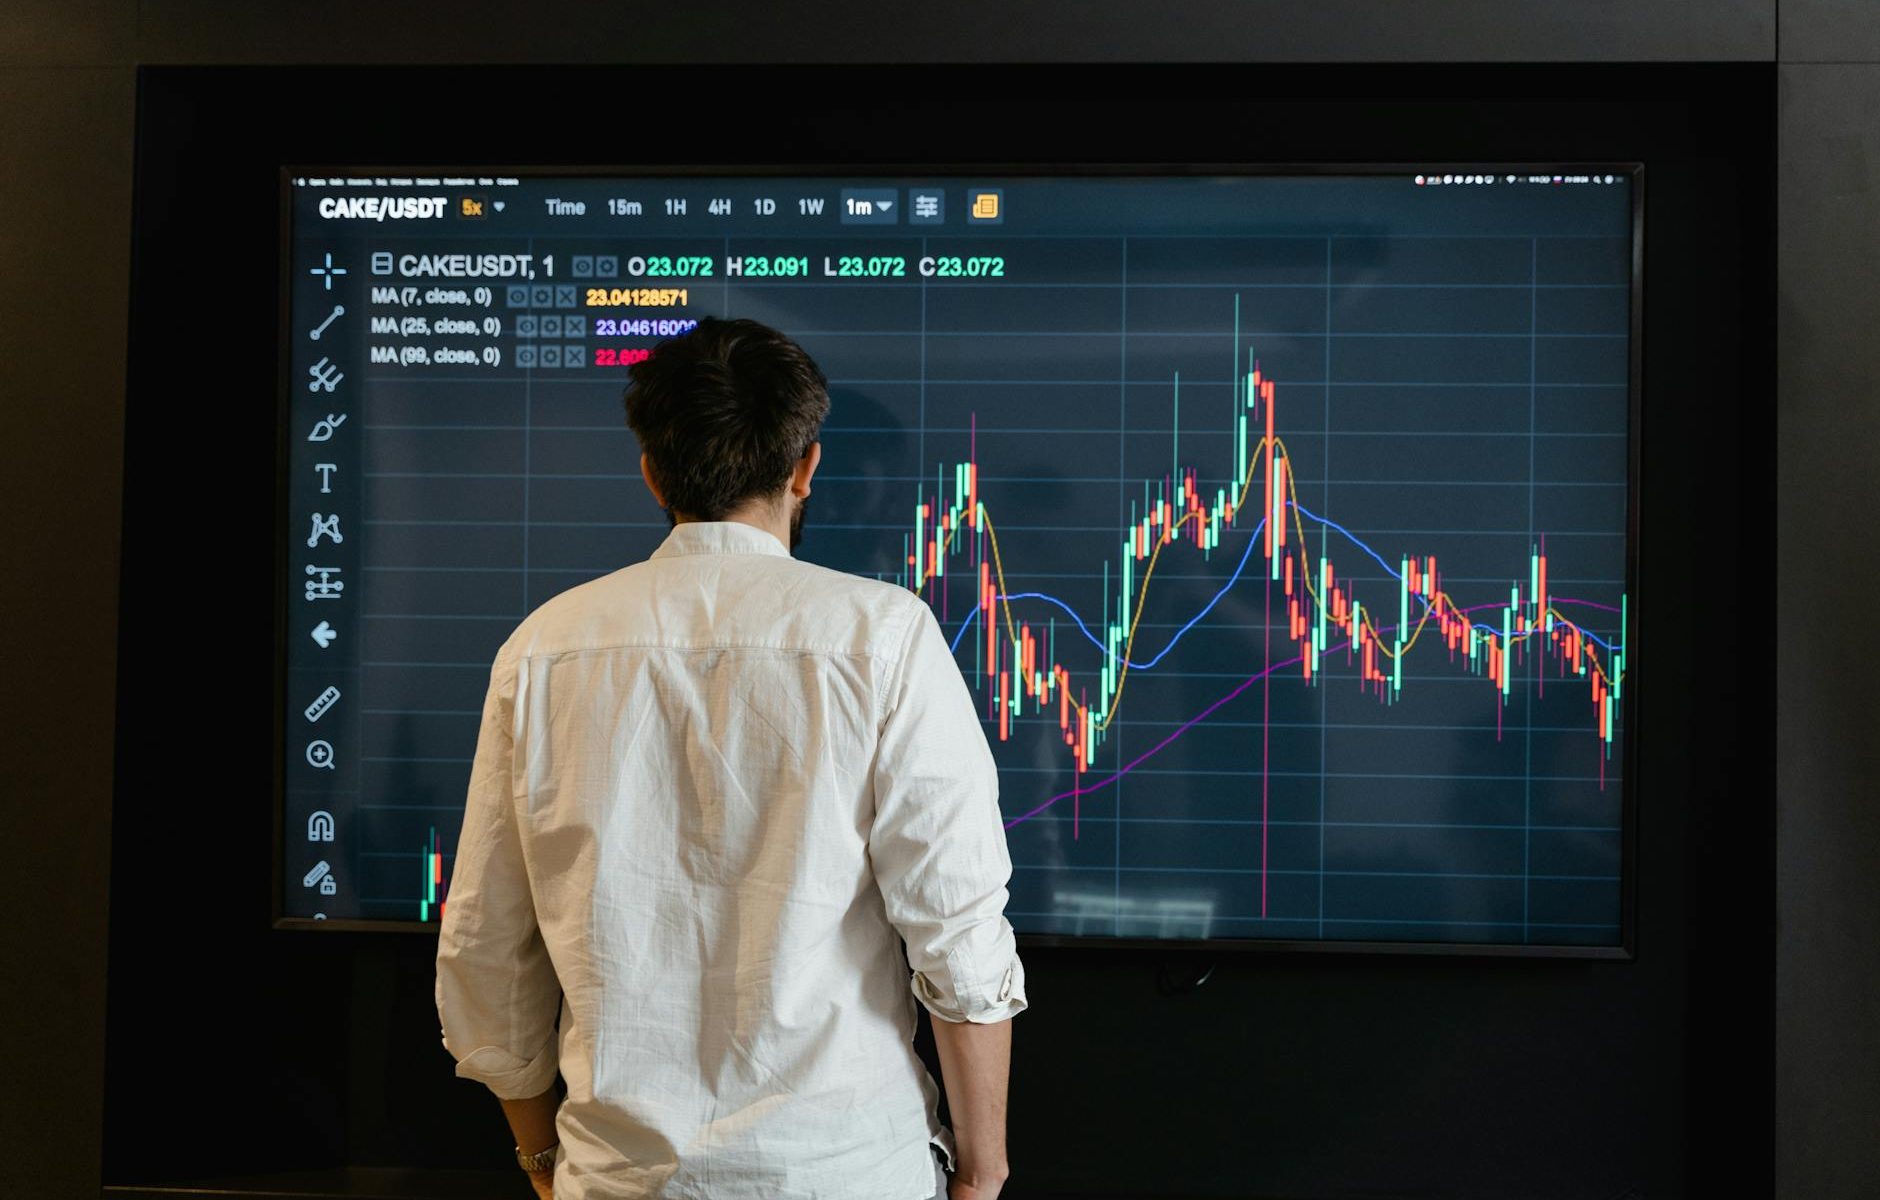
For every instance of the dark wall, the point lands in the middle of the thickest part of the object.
(66, 119)
(1828, 563)
(1828, 414)
(64, 273)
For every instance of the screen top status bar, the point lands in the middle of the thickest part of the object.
(622, 201)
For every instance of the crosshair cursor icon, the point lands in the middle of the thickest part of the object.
(325, 274)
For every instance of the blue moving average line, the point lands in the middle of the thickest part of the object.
(1252, 539)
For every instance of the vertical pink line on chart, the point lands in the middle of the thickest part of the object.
(1266, 727)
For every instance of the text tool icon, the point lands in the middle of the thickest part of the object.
(324, 634)
(985, 206)
(325, 700)
(320, 826)
(320, 754)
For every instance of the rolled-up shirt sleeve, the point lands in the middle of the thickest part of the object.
(938, 842)
(497, 994)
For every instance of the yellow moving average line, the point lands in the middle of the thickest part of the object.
(1278, 447)
(1441, 597)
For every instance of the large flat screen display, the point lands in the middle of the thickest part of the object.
(1279, 518)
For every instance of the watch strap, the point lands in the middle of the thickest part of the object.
(541, 1160)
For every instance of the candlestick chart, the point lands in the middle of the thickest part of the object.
(1327, 634)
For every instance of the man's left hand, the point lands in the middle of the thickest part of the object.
(544, 1184)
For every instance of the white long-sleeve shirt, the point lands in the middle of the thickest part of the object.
(711, 794)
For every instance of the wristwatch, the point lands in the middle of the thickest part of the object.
(541, 1160)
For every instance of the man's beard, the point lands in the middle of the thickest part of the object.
(796, 522)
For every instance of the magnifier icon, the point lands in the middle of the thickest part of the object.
(320, 754)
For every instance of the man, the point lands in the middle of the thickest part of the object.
(712, 793)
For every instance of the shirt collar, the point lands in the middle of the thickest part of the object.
(719, 537)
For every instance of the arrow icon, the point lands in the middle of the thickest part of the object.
(324, 634)
(884, 205)
(497, 205)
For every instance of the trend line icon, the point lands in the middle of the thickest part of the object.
(339, 310)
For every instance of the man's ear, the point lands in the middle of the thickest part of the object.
(805, 467)
(647, 474)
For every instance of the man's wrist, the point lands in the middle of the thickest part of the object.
(981, 1169)
(542, 1162)
(974, 1176)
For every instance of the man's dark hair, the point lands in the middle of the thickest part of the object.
(724, 413)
